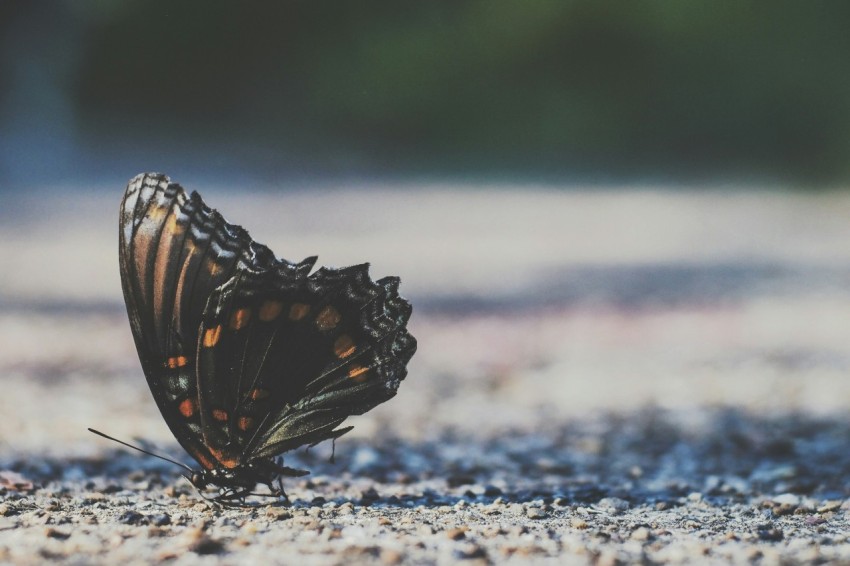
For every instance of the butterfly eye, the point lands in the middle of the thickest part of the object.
(198, 480)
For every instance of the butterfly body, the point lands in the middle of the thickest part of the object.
(248, 356)
(236, 483)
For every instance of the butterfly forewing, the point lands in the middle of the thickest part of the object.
(173, 250)
(248, 356)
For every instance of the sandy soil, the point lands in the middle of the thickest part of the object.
(602, 377)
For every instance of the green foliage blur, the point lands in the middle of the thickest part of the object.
(611, 90)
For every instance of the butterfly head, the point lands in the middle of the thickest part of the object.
(198, 479)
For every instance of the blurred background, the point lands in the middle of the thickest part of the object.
(553, 91)
(593, 206)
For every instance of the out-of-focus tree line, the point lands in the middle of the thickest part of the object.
(615, 90)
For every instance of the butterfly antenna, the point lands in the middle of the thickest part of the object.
(143, 451)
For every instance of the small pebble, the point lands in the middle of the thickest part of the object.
(613, 504)
(369, 496)
(278, 514)
(492, 491)
(771, 534)
(493, 531)
(157, 532)
(458, 480)
(829, 506)
(137, 475)
(94, 497)
(132, 518)
(784, 509)
(787, 498)
(207, 545)
(56, 533)
(204, 544)
(471, 551)
(391, 557)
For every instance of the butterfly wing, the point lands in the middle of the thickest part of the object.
(173, 252)
(248, 356)
(285, 357)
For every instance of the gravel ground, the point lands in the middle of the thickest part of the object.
(606, 377)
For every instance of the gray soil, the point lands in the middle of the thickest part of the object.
(602, 377)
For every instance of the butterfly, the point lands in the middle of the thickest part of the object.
(249, 356)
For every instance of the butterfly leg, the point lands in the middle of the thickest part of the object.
(333, 435)
(280, 490)
(231, 497)
(277, 491)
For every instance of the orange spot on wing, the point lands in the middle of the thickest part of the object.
(219, 414)
(239, 319)
(270, 310)
(202, 458)
(257, 394)
(177, 362)
(224, 459)
(187, 407)
(211, 336)
(358, 373)
(298, 311)
(158, 213)
(328, 318)
(344, 346)
(173, 227)
(245, 423)
(213, 268)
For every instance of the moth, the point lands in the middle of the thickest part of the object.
(249, 356)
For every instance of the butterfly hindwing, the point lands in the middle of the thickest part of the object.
(289, 357)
